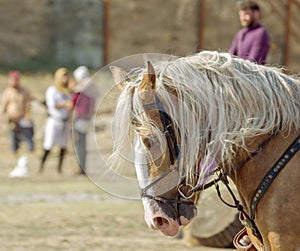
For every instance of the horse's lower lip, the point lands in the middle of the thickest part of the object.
(170, 233)
(184, 221)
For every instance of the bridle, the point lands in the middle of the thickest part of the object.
(246, 219)
(167, 128)
(174, 151)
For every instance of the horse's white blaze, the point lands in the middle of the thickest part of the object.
(141, 168)
(148, 215)
(140, 164)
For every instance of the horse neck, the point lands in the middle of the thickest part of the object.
(248, 177)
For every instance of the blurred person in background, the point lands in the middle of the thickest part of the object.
(85, 94)
(59, 106)
(15, 106)
(252, 42)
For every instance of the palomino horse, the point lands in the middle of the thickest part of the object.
(213, 115)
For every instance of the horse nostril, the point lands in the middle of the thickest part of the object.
(160, 222)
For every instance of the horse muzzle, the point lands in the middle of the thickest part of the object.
(167, 216)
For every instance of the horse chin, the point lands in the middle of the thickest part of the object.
(164, 217)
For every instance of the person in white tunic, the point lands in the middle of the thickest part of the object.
(59, 106)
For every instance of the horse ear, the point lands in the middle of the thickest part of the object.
(151, 74)
(148, 81)
(119, 76)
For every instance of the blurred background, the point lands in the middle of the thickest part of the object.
(45, 33)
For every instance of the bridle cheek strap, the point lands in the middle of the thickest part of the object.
(171, 178)
(168, 131)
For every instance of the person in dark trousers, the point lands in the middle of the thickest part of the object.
(59, 106)
(84, 98)
(15, 107)
(252, 42)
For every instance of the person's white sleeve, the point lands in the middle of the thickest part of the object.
(50, 99)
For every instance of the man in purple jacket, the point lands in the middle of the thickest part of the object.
(252, 41)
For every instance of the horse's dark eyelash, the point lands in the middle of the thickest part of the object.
(147, 142)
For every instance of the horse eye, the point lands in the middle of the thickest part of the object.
(147, 142)
(150, 141)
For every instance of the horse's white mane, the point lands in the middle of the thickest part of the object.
(222, 102)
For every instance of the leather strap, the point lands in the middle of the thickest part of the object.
(240, 243)
(272, 174)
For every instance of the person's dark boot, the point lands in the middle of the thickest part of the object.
(61, 158)
(46, 153)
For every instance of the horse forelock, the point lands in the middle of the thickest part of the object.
(221, 101)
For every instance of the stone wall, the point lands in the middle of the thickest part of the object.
(158, 26)
(172, 26)
(78, 31)
(20, 24)
(71, 31)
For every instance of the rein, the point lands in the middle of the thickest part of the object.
(203, 187)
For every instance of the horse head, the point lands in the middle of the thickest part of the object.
(184, 116)
(165, 195)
